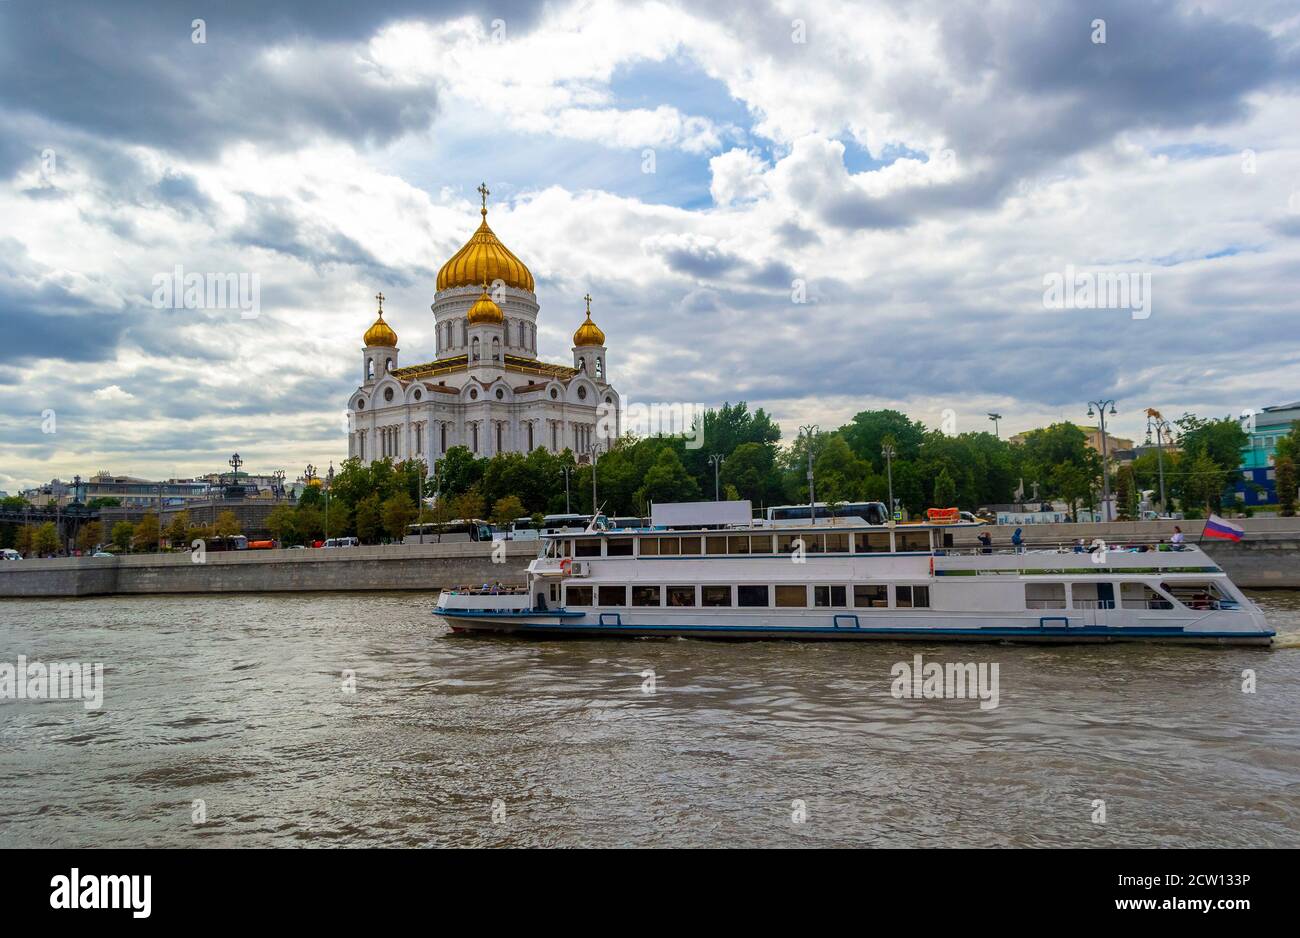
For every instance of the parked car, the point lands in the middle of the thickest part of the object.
(343, 542)
(102, 553)
(10, 554)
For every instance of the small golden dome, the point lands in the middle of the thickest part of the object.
(484, 310)
(484, 258)
(588, 333)
(381, 333)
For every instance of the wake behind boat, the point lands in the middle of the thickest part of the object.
(708, 569)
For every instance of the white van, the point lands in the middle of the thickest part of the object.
(343, 542)
(10, 554)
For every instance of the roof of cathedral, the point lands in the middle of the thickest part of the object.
(484, 310)
(381, 333)
(588, 333)
(459, 363)
(484, 259)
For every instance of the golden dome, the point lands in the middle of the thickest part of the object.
(588, 333)
(484, 258)
(381, 333)
(484, 310)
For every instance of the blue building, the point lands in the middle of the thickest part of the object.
(1258, 483)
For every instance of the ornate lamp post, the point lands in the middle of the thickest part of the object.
(809, 430)
(995, 418)
(1105, 461)
(716, 460)
(329, 482)
(889, 452)
(1163, 432)
(568, 508)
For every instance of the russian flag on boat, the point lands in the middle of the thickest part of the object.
(1217, 527)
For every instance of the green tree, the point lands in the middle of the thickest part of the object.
(178, 529)
(1126, 495)
(90, 536)
(227, 525)
(46, 539)
(1285, 476)
(468, 506)
(1204, 482)
(309, 522)
(506, 510)
(945, 490)
(24, 539)
(122, 533)
(458, 471)
(398, 512)
(866, 433)
(147, 533)
(368, 521)
(667, 481)
(281, 523)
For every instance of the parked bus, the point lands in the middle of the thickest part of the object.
(460, 530)
(870, 512)
(234, 542)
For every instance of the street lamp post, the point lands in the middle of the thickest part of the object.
(716, 459)
(889, 453)
(594, 509)
(808, 431)
(568, 508)
(995, 418)
(1105, 462)
(1162, 428)
(329, 483)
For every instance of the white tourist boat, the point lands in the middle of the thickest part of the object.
(723, 575)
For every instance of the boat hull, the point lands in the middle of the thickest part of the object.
(582, 625)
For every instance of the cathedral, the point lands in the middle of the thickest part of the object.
(486, 390)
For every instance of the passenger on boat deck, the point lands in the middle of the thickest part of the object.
(1018, 541)
(986, 542)
(1177, 538)
(1078, 546)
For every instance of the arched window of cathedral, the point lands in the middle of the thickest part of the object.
(418, 394)
(600, 367)
(370, 369)
(582, 393)
(388, 394)
(608, 399)
(496, 349)
(582, 364)
(361, 403)
(530, 436)
(388, 364)
(501, 394)
(475, 426)
(443, 441)
(500, 430)
(554, 394)
(473, 394)
(474, 352)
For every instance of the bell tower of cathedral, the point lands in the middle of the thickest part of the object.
(380, 352)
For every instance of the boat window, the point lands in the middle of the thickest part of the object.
(618, 547)
(837, 543)
(612, 596)
(715, 596)
(875, 542)
(649, 546)
(787, 543)
(1141, 596)
(681, 596)
(715, 545)
(566, 548)
(751, 596)
(829, 596)
(645, 595)
(690, 545)
(791, 595)
(1044, 595)
(814, 543)
(912, 597)
(670, 545)
(587, 547)
(737, 545)
(912, 540)
(577, 595)
(1093, 595)
(761, 545)
(1198, 594)
(871, 596)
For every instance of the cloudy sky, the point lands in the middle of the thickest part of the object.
(919, 168)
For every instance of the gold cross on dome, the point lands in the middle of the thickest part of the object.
(380, 298)
(588, 299)
(484, 192)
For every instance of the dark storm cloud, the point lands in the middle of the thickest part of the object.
(129, 71)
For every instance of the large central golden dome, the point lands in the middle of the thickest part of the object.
(484, 259)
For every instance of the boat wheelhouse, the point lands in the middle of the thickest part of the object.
(854, 581)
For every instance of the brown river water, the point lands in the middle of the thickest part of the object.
(230, 721)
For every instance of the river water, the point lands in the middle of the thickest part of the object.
(233, 721)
